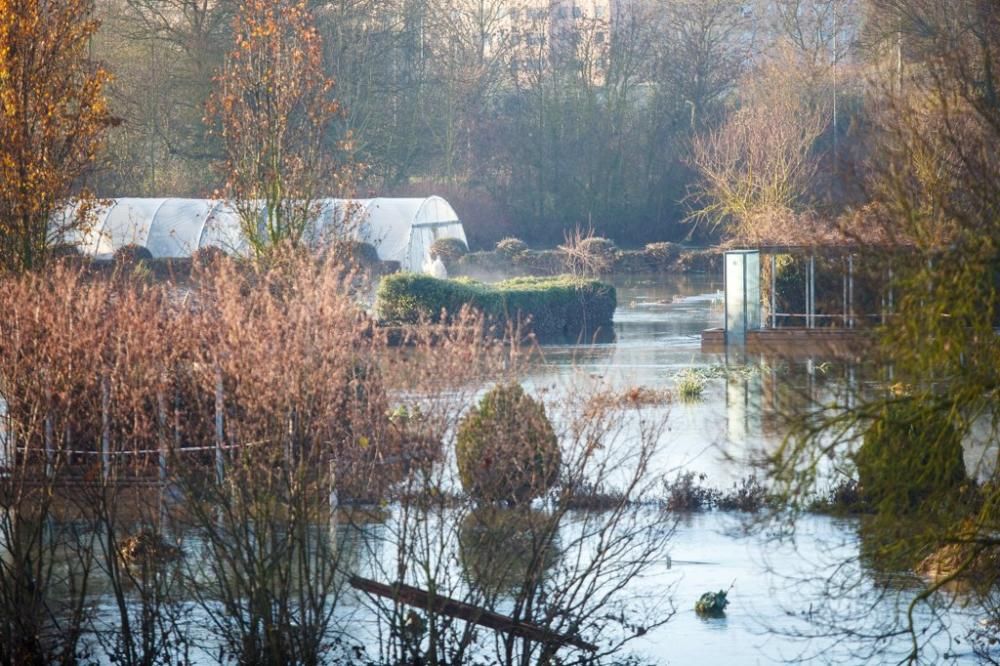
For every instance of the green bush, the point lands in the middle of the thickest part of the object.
(449, 249)
(911, 459)
(506, 449)
(511, 247)
(559, 308)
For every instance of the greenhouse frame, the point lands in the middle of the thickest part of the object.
(400, 229)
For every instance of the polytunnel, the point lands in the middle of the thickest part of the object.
(401, 230)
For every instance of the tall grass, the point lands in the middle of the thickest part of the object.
(225, 425)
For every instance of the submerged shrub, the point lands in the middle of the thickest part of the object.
(911, 458)
(748, 495)
(449, 249)
(712, 604)
(686, 493)
(596, 246)
(506, 449)
(511, 247)
(660, 251)
(844, 496)
(690, 385)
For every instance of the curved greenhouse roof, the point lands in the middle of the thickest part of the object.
(400, 229)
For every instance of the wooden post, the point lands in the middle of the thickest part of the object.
(105, 428)
(219, 433)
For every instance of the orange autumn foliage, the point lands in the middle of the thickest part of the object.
(275, 107)
(53, 116)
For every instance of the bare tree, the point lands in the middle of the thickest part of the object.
(760, 162)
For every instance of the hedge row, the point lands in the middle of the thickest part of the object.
(558, 308)
(657, 258)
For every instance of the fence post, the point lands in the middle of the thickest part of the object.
(49, 444)
(162, 439)
(105, 427)
(333, 499)
(219, 433)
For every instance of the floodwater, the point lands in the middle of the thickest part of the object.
(804, 597)
(811, 596)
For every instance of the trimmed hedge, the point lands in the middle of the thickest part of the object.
(560, 308)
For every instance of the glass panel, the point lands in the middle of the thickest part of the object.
(735, 296)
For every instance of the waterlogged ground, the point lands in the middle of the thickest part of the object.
(787, 593)
(782, 591)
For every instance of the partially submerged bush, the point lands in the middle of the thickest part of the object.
(148, 547)
(597, 246)
(748, 495)
(712, 604)
(842, 497)
(506, 449)
(561, 308)
(449, 249)
(584, 253)
(911, 459)
(687, 493)
(660, 252)
(690, 385)
(511, 247)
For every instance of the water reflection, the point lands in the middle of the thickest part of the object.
(781, 589)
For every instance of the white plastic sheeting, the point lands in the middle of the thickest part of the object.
(401, 230)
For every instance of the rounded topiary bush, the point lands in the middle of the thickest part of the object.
(911, 459)
(511, 247)
(449, 250)
(506, 448)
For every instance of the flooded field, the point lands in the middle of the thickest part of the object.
(815, 595)
(786, 592)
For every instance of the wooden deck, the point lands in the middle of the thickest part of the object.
(795, 342)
